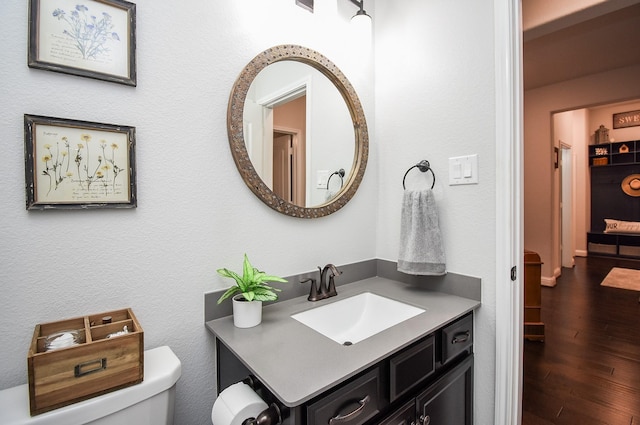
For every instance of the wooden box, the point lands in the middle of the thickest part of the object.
(533, 326)
(601, 161)
(98, 364)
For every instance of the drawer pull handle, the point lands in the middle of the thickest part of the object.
(345, 418)
(461, 337)
(100, 364)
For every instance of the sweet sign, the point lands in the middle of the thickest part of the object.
(626, 119)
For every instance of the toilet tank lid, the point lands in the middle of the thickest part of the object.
(162, 369)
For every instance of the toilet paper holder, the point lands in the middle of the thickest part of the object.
(269, 416)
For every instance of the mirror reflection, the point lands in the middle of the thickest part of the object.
(298, 133)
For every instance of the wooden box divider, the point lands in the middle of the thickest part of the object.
(95, 366)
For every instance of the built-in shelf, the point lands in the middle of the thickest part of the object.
(614, 153)
(613, 244)
(610, 163)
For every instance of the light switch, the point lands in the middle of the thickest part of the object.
(463, 170)
(457, 170)
(467, 170)
(321, 180)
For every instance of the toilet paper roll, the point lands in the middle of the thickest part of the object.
(235, 404)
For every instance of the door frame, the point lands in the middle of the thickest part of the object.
(509, 211)
(567, 201)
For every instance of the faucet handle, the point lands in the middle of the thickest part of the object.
(313, 292)
(332, 285)
(334, 270)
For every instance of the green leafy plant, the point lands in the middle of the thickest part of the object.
(252, 284)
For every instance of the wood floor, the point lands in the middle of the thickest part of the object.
(587, 371)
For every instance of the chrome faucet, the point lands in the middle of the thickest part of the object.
(324, 289)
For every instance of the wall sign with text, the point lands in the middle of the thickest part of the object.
(626, 119)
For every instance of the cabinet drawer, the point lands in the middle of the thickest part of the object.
(353, 404)
(456, 338)
(406, 415)
(411, 366)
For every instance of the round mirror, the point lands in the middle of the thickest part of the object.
(297, 132)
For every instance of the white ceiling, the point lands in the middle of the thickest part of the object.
(605, 42)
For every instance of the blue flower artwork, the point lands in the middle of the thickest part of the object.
(90, 34)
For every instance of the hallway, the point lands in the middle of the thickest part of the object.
(588, 369)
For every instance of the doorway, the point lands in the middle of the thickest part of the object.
(562, 86)
(289, 181)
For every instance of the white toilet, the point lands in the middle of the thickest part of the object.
(147, 403)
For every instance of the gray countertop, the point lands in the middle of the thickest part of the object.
(296, 363)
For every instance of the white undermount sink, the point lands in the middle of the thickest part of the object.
(356, 318)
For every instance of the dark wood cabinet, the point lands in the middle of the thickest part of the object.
(456, 338)
(355, 403)
(411, 367)
(449, 400)
(429, 382)
(406, 415)
(533, 325)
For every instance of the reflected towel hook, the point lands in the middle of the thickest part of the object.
(423, 166)
(340, 173)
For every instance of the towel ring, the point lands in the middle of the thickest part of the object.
(340, 173)
(423, 166)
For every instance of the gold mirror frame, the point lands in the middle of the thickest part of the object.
(236, 133)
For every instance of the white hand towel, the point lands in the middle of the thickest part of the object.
(421, 247)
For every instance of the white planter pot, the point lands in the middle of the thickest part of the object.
(246, 314)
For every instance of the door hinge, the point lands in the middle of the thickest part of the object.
(514, 273)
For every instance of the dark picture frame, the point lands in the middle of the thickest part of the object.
(94, 38)
(71, 164)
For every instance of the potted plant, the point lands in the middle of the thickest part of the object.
(248, 293)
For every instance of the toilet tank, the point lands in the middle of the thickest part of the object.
(147, 403)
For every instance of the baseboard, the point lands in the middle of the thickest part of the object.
(548, 281)
(580, 253)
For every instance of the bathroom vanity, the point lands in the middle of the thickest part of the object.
(419, 371)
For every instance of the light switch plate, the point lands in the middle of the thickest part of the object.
(321, 179)
(463, 170)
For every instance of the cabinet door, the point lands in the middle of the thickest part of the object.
(411, 367)
(406, 415)
(449, 400)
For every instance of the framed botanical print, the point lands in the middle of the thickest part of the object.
(73, 164)
(89, 38)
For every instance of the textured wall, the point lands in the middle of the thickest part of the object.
(435, 99)
(194, 213)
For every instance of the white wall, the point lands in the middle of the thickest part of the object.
(435, 100)
(540, 217)
(195, 213)
(570, 129)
